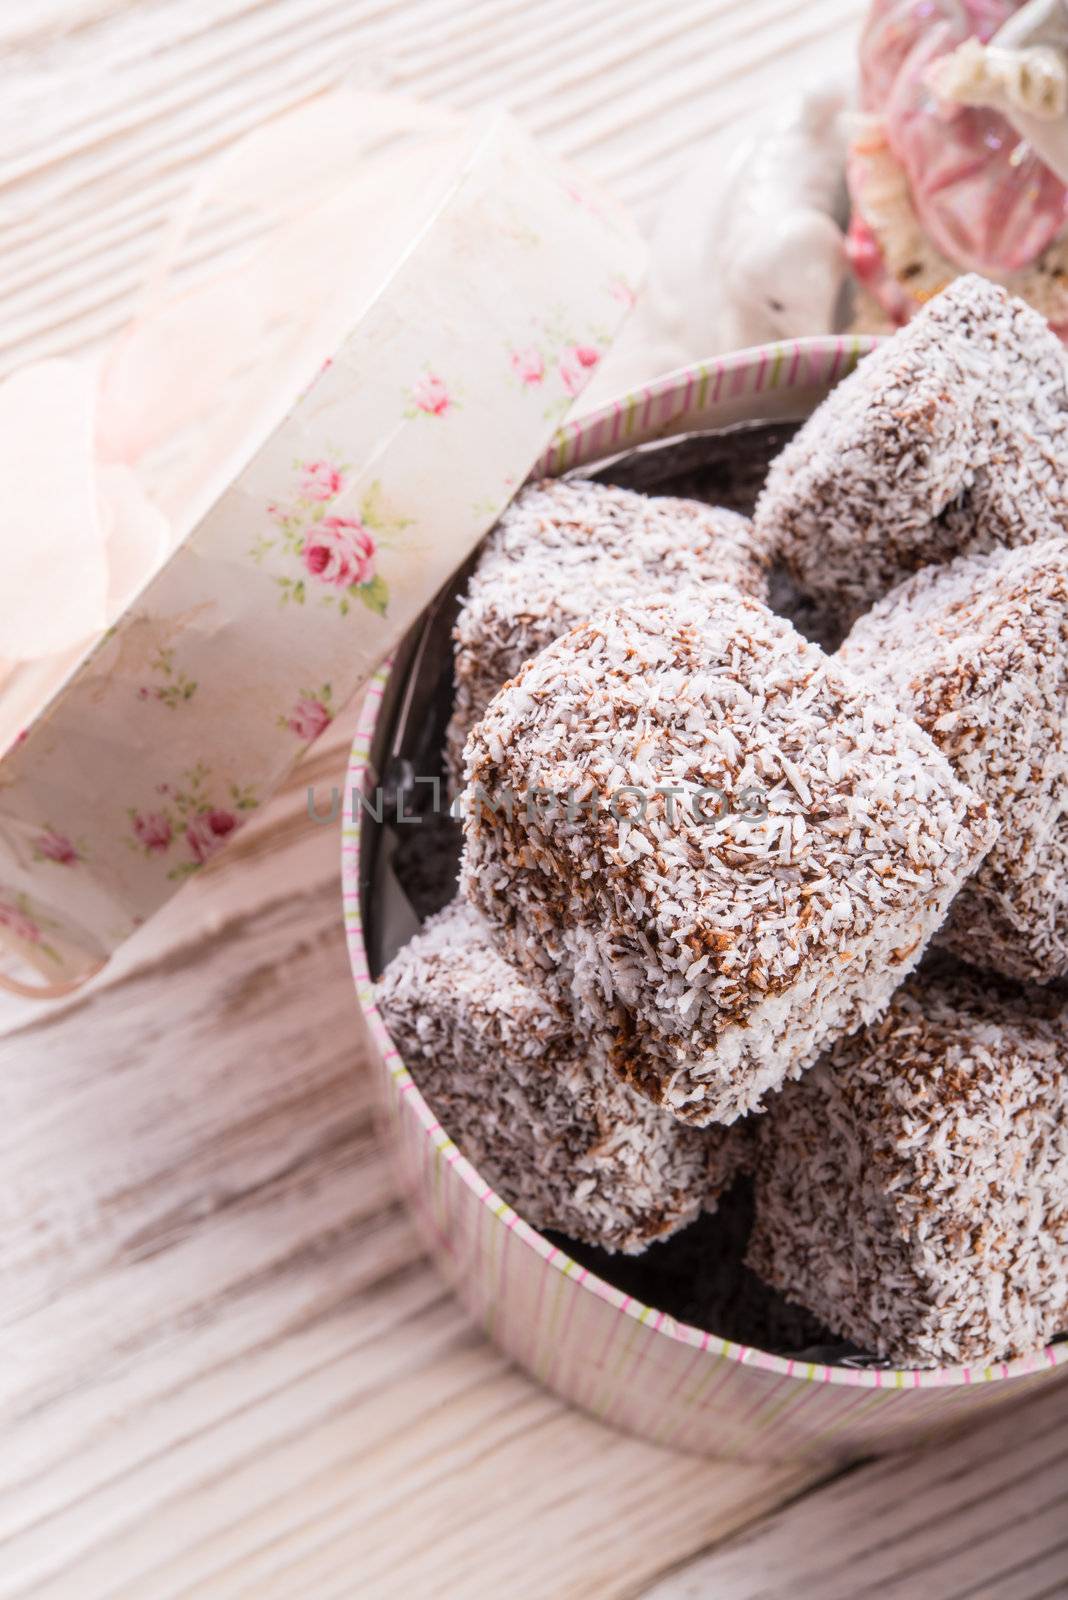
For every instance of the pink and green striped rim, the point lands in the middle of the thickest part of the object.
(746, 385)
(693, 396)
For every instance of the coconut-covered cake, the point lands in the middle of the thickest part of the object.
(566, 1144)
(913, 1189)
(566, 548)
(951, 437)
(977, 652)
(704, 857)
(716, 843)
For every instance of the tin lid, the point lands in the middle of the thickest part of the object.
(366, 488)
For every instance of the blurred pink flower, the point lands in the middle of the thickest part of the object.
(339, 550)
(309, 718)
(431, 395)
(321, 481)
(208, 832)
(19, 924)
(528, 365)
(153, 830)
(52, 846)
(576, 365)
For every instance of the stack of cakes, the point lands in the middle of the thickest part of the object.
(732, 905)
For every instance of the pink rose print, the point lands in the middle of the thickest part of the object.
(191, 816)
(18, 924)
(208, 832)
(53, 846)
(321, 481)
(431, 395)
(153, 830)
(340, 551)
(528, 365)
(576, 365)
(309, 718)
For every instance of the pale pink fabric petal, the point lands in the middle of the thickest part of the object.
(137, 534)
(53, 571)
(981, 194)
(343, 179)
(162, 370)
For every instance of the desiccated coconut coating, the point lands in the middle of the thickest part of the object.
(912, 1190)
(711, 958)
(566, 548)
(977, 653)
(552, 1130)
(950, 437)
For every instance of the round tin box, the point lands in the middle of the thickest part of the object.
(631, 1365)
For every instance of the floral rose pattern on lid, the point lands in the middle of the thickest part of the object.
(334, 547)
(321, 481)
(383, 470)
(430, 394)
(17, 920)
(190, 815)
(208, 831)
(529, 365)
(559, 362)
(153, 830)
(311, 714)
(576, 365)
(51, 845)
(341, 551)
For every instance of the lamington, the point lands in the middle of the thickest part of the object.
(715, 844)
(912, 1190)
(950, 438)
(557, 1135)
(977, 653)
(566, 548)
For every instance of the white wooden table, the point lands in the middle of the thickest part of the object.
(225, 1371)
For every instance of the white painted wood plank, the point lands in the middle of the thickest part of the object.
(983, 1517)
(24, 26)
(111, 159)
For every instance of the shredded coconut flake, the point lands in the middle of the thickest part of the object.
(977, 653)
(951, 437)
(810, 911)
(566, 548)
(912, 1190)
(554, 1132)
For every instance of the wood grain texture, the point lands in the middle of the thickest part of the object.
(984, 1517)
(107, 125)
(225, 1369)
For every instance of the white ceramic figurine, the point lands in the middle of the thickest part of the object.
(745, 251)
